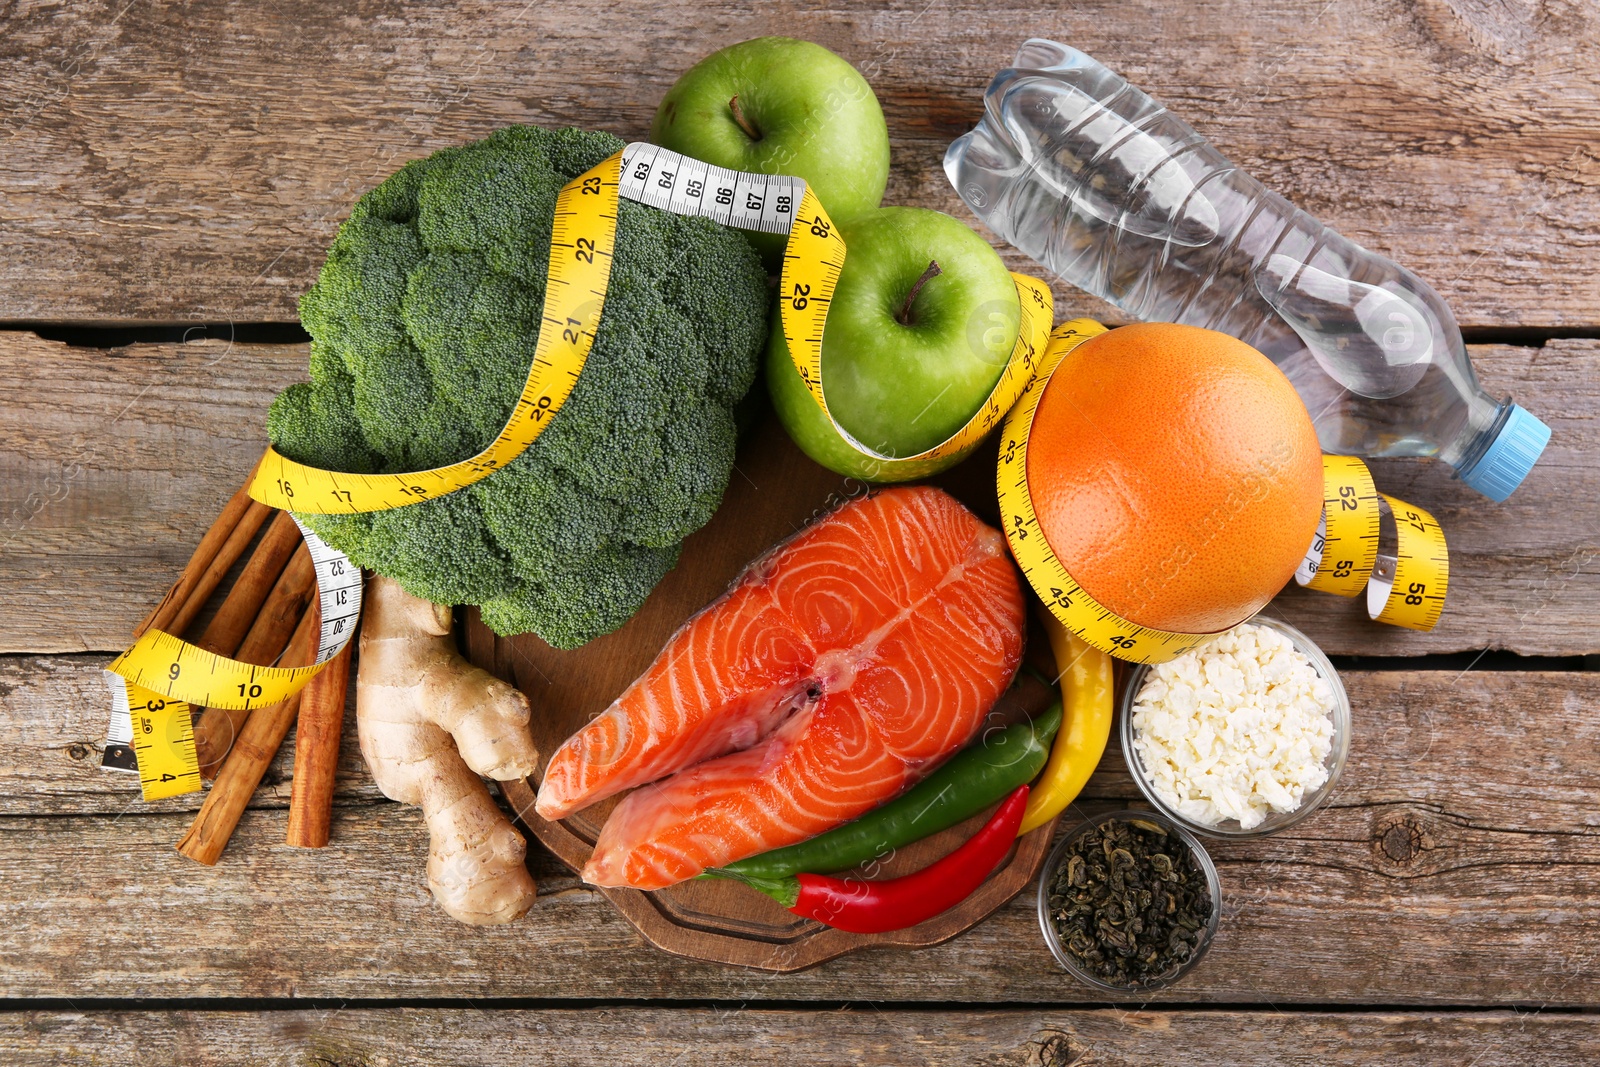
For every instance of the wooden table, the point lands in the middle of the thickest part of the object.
(169, 177)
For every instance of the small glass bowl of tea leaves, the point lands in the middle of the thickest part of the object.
(1129, 902)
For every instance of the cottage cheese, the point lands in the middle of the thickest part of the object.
(1239, 728)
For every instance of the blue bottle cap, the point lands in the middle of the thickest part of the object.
(1510, 456)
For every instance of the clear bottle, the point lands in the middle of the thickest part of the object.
(1091, 177)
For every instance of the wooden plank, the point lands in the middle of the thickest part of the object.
(176, 163)
(618, 1037)
(118, 461)
(1454, 868)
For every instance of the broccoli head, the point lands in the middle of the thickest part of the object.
(423, 323)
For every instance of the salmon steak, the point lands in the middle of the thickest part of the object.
(842, 667)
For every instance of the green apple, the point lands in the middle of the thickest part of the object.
(921, 326)
(776, 105)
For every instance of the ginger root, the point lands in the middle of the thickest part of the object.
(414, 694)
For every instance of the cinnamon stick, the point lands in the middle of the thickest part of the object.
(316, 753)
(248, 759)
(255, 516)
(161, 616)
(233, 620)
(282, 612)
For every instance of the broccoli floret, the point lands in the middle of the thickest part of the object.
(423, 323)
(592, 599)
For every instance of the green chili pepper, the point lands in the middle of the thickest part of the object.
(973, 779)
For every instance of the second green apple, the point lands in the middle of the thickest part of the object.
(920, 329)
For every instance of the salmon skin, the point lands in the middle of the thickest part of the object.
(840, 668)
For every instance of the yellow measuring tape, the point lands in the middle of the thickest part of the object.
(1038, 312)
(582, 241)
(159, 682)
(1404, 589)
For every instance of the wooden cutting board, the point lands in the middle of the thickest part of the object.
(774, 492)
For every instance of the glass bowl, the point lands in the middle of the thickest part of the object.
(1275, 821)
(1207, 932)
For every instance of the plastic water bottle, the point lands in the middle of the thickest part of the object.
(1099, 183)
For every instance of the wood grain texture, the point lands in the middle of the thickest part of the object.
(1454, 867)
(191, 162)
(619, 1037)
(115, 464)
(93, 442)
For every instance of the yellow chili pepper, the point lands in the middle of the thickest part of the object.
(1086, 692)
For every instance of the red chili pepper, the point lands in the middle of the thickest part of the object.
(862, 907)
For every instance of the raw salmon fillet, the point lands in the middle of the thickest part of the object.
(840, 668)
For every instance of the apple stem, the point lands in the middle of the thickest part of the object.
(932, 272)
(744, 123)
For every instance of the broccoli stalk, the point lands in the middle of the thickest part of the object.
(423, 323)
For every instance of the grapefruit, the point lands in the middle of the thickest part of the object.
(1176, 474)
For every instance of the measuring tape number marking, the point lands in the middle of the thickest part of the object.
(583, 239)
(1406, 589)
(158, 684)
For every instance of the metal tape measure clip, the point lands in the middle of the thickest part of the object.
(161, 681)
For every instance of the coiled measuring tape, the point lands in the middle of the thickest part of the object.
(583, 239)
(158, 684)
(155, 682)
(813, 260)
(1404, 589)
